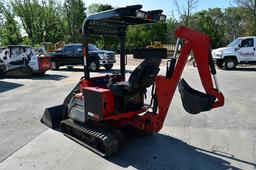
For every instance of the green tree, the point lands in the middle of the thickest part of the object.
(74, 13)
(102, 42)
(9, 28)
(171, 29)
(93, 8)
(27, 11)
(234, 22)
(142, 35)
(210, 22)
(250, 20)
(52, 22)
(40, 20)
(250, 5)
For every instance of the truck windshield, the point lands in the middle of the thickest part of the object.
(235, 43)
(92, 47)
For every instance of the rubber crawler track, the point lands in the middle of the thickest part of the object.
(102, 142)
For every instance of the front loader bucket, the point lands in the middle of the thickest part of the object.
(194, 101)
(53, 116)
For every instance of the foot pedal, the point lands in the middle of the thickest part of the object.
(194, 101)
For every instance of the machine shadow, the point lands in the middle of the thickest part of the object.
(249, 69)
(71, 70)
(164, 152)
(6, 86)
(55, 77)
(245, 69)
(46, 76)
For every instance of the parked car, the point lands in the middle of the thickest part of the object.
(19, 60)
(72, 55)
(240, 51)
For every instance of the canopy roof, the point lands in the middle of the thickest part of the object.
(113, 22)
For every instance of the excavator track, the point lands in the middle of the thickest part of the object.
(102, 142)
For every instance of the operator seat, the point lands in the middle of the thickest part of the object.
(129, 95)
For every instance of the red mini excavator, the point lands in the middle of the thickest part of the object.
(99, 109)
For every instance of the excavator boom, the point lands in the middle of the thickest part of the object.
(193, 101)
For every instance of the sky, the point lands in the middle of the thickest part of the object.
(167, 6)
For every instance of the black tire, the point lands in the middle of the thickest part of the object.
(42, 73)
(54, 65)
(94, 65)
(230, 63)
(219, 64)
(109, 67)
(70, 67)
(39, 74)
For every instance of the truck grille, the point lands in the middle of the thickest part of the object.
(111, 56)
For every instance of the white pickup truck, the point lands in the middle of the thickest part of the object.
(240, 51)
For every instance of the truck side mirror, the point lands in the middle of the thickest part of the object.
(238, 47)
(80, 51)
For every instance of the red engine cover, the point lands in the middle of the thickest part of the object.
(99, 102)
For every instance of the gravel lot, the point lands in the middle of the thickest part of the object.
(220, 139)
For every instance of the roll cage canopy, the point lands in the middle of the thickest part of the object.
(114, 23)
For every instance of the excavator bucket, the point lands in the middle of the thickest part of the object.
(194, 101)
(53, 116)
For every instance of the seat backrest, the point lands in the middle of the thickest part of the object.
(143, 76)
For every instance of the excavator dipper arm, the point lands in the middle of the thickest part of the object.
(193, 101)
(166, 86)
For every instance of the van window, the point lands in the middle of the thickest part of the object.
(249, 42)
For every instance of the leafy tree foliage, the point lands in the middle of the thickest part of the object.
(171, 28)
(93, 8)
(210, 22)
(74, 16)
(40, 19)
(249, 7)
(102, 42)
(9, 28)
(142, 35)
(234, 22)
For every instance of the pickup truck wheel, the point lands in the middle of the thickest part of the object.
(230, 64)
(55, 66)
(108, 67)
(219, 64)
(42, 73)
(94, 65)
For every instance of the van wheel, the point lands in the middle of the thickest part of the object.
(94, 65)
(230, 64)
